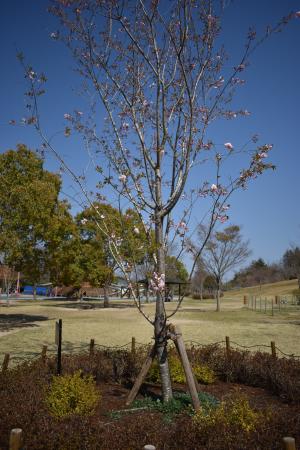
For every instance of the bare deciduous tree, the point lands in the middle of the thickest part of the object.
(223, 251)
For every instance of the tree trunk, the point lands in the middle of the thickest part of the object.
(201, 289)
(7, 295)
(106, 297)
(218, 309)
(160, 329)
(147, 295)
(34, 291)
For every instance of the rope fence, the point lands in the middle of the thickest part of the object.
(133, 346)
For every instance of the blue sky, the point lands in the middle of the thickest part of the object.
(269, 210)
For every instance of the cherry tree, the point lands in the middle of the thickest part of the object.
(157, 78)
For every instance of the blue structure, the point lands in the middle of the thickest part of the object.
(40, 290)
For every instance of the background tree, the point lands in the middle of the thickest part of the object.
(96, 260)
(257, 273)
(291, 263)
(160, 77)
(199, 278)
(223, 251)
(64, 249)
(176, 270)
(28, 205)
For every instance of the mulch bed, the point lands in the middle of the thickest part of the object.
(22, 404)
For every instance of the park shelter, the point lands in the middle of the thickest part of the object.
(173, 285)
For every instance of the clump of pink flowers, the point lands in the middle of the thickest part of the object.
(122, 178)
(157, 282)
(228, 145)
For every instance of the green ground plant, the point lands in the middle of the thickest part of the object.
(180, 403)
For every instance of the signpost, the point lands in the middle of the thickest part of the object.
(58, 336)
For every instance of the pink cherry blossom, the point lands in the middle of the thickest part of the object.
(31, 74)
(102, 216)
(214, 188)
(136, 230)
(183, 226)
(157, 283)
(123, 178)
(297, 14)
(228, 145)
(263, 155)
(223, 219)
(67, 116)
(225, 207)
(84, 221)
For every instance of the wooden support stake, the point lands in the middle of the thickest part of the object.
(272, 307)
(44, 353)
(187, 369)
(149, 447)
(227, 341)
(245, 300)
(276, 299)
(273, 349)
(92, 347)
(15, 439)
(5, 362)
(141, 376)
(289, 443)
(133, 348)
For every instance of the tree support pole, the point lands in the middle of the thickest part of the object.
(141, 376)
(176, 335)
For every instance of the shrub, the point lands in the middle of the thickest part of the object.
(203, 373)
(72, 394)
(235, 413)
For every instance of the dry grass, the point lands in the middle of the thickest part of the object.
(27, 331)
(269, 290)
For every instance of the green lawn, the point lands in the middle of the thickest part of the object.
(26, 325)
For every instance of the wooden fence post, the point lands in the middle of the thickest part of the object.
(265, 306)
(245, 300)
(133, 348)
(276, 299)
(255, 303)
(92, 347)
(260, 304)
(44, 353)
(272, 307)
(289, 443)
(15, 439)
(227, 341)
(58, 339)
(149, 447)
(5, 362)
(273, 349)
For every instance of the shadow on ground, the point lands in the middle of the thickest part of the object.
(9, 322)
(86, 305)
